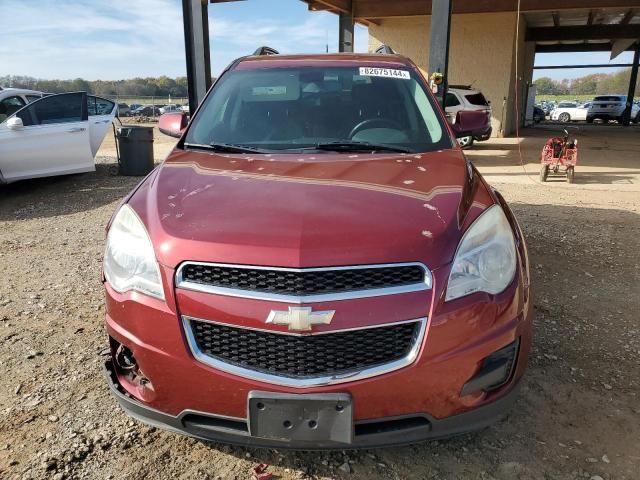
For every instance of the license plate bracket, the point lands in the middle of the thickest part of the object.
(314, 418)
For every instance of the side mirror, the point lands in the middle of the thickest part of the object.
(173, 123)
(471, 123)
(15, 123)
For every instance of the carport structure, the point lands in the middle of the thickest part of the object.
(486, 43)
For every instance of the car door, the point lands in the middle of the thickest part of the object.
(53, 139)
(101, 113)
(581, 112)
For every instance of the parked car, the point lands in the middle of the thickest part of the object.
(54, 135)
(461, 97)
(569, 112)
(538, 114)
(547, 107)
(146, 111)
(610, 107)
(124, 110)
(13, 99)
(317, 265)
(135, 106)
(185, 108)
(170, 108)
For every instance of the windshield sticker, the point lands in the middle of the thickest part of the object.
(384, 72)
(277, 90)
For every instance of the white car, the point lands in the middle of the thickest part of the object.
(13, 99)
(170, 108)
(611, 107)
(569, 112)
(460, 97)
(54, 135)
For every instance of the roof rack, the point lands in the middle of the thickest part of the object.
(266, 51)
(461, 87)
(385, 49)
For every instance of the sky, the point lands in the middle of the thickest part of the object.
(116, 39)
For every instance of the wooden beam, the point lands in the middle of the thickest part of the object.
(343, 6)
(404, 8)
(574, 47)
(628, 16)
(582, 32)
(592, 65)
(556, 18)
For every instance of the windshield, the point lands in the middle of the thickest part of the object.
(300, 108)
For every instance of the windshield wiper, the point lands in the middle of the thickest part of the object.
(351, 146)
(225, 147)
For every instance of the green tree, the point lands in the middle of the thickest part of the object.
(545, 86)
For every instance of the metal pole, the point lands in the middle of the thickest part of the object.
(196, 43)
(345, 31)
(626, 116)
(439, 44)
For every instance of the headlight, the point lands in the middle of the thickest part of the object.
(486, 257)
(129, 260)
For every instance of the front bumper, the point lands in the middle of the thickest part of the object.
(387, 431)
(485, 136)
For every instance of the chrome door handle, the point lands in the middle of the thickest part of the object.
(75, 130)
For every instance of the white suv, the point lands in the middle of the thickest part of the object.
(461, 97)
(13, 99)
(611, 107)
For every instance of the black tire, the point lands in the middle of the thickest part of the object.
(590, 119)
(564, 117)
(570, 174)
(544, 173)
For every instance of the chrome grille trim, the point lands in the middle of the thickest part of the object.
(369, 372)
(294, 299)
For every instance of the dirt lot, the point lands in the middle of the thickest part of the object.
(578, 415)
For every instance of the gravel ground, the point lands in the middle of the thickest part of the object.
(577, 417)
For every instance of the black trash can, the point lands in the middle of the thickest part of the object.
(135, 147)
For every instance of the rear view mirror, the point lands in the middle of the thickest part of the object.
(173, 123)
(15, 123)
(470, 123)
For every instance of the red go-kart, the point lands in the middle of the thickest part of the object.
(559, 157)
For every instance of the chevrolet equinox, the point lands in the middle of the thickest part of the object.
(317, 265)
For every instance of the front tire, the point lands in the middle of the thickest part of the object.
(544, 173)
(564, 117)
(570, 174)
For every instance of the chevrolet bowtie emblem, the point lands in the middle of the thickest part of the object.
(300, 318)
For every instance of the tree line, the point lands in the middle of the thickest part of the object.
(593, 84)
(162, 86)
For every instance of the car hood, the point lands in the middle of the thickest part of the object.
(296, 210)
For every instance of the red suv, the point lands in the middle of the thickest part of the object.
(317, 265)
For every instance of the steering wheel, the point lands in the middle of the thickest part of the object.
(374, 123)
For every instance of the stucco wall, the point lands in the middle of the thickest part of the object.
(481, 53)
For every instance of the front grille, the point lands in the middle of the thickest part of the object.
(305, 356)
(302, 282)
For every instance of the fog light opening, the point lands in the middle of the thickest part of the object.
(125, 360)
(496, 370)
(128, 370)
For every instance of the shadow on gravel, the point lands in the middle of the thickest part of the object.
(63, 195)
